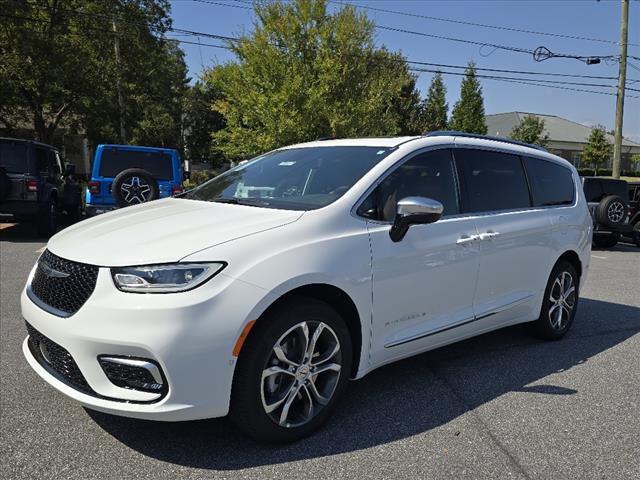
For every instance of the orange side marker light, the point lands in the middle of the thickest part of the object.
(243, 336)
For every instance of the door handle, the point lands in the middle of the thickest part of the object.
(465, 239)
(490, 235)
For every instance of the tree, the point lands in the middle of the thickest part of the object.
(468, 112)
(57, 68)
(435, 107)
(530, 130)
(597, 152)
(201, 121)
(305, 73)
(635, 162)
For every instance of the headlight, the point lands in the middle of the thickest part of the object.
(164, 278)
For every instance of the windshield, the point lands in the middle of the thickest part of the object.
(113, 161)
(13, 157)
(293, 179)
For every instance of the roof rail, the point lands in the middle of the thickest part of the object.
(453, 133)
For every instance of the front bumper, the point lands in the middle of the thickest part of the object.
(190, 335)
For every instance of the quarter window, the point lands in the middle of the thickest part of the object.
(551, 184)
(429, 175)
(492, 181)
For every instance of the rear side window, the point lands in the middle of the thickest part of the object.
(551, 184)
(113, 161)
(492, 181)
(42, 159)
(13, 157)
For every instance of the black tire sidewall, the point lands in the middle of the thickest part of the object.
(133, 172)
(543, 324)
(602, 210)
(246, 403)
(606, 240)
(46, 219)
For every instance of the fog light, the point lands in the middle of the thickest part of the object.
(133, 373)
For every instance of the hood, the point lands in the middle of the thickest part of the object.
(163, 231)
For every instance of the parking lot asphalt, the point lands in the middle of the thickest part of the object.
(503, 405)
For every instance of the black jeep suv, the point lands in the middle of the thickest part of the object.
(634, 213)
(608, 201)
(33, 185)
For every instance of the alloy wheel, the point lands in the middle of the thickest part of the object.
(136, 190)
(562, 300)
(615, 212)
(301, 374)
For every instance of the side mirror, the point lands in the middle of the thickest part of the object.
(414, 211)
(69, 169)
(186, 175)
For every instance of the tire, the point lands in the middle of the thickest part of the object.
(252, 392)
(611, 211)
(5, 184)
(46, 220)
(606, 240)
(548, 326)
(636, 233)
(134, 186)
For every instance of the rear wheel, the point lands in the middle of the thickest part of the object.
(606, 240)
(292, 370)
(560, 302)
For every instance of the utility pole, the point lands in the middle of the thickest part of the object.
(116, 49)
(622, 79)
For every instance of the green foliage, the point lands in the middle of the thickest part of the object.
(598, 150)
(530, 130)
(468, 112)
(435, 107)
(305, 73)
(58, 68)
(201, 120)
(635, 161)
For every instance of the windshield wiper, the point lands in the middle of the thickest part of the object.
(253, 202)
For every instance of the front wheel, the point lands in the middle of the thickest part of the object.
(291, 372)
(560, 302)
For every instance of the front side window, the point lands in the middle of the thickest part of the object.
(429, 175)
(551, 184)
(293, 179)
(42, 160)
(492, 181)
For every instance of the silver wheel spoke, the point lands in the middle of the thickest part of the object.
(290, 397)
(314, 340)
(319, 398)
(328, 357)
(305, 332)
(329, 367)
(280, 355)
(267, 372)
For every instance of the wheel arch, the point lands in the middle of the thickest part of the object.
(336, 298)
(573, 258)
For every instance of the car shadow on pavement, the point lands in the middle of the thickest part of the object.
(400, 400)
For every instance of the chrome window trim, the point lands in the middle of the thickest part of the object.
(466, 215)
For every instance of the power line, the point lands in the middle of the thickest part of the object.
(474, 24)
(520, 81)
(525, 81)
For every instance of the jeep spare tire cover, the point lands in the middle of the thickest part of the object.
(611, 211)
(134, 186)
(5, 184)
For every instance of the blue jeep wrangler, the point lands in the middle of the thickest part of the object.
(125, 175)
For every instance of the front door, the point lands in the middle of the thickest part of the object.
(423, 285)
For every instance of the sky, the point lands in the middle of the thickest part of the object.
(578, 18)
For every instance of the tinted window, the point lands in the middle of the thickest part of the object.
(42, 159)
(427, 175)
(551, 184)
(294, 179)
(114, 161)
(492, 180)
(13, 157)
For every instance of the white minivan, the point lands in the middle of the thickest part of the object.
(260, 293)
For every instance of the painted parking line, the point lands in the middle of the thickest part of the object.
(40, 250)
(601, 258)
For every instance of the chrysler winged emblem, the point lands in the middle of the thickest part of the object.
(52, 272)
